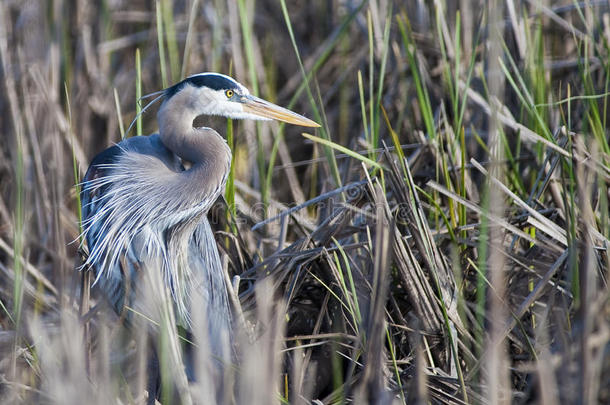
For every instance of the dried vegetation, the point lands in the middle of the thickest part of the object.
(443, 238)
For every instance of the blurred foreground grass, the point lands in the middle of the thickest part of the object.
(442, 239)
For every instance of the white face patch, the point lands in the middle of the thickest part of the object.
(215, 102)
(206, 94)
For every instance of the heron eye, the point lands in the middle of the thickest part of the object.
(229, 93)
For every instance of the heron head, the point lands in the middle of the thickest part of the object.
(217, 94)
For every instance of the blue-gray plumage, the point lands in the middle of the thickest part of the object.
(143, 212)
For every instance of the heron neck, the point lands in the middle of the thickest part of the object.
(203, 147)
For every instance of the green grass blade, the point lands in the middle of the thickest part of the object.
(343, 149)
(161, 44)
(170, 36)
(332, 161)
(117, 106)
(138, 93)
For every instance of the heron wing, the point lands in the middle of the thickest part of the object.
(134, 226)
(100, 212)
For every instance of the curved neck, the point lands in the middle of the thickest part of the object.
(204, 147)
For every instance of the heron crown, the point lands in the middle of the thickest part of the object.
(213, 81)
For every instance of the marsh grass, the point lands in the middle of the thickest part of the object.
(453, 244)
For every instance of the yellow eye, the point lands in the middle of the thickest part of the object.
(229, 93)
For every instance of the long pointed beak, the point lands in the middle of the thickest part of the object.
(265, 109)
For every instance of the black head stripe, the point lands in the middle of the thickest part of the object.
(210, 80)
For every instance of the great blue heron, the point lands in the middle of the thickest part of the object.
(142, 211)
